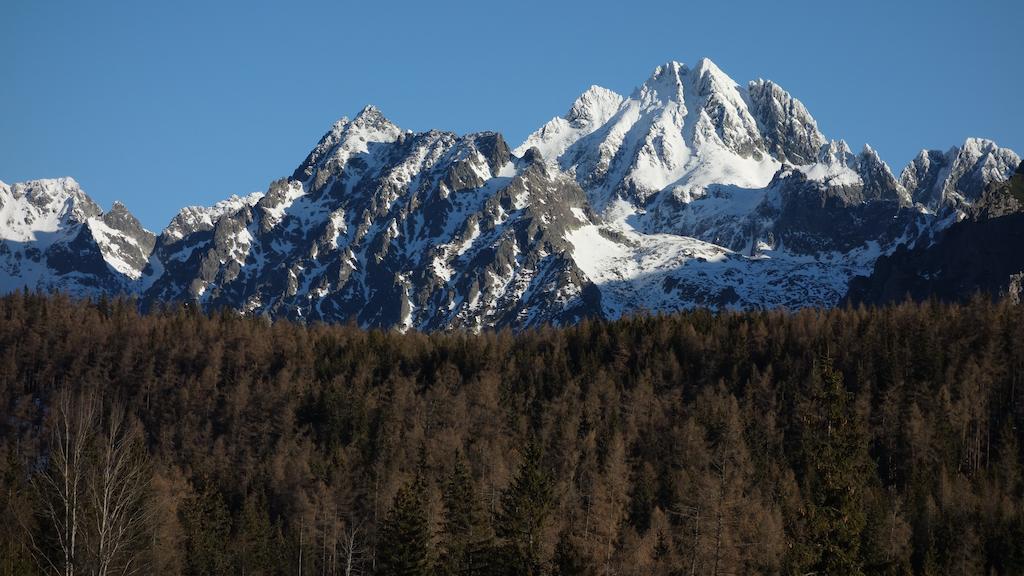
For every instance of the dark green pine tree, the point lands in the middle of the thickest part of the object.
(403, 544)
(207, 526)
(569, 561)
(525, 508)
(255, 545)
(467, 540)
(642, 499)
(836, 473)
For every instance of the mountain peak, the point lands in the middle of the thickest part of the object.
(869, 152)
(670, 81)
(370, 115)
(706, 66)
(789, 130)
(589, 111)
(836, 152)
(671, 68)
(665, 83)
(955, 178)
(596, 104)
(663, 200)
(346, 136)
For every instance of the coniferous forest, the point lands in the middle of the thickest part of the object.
(840, 442)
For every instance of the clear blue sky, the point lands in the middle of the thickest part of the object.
(163, 104)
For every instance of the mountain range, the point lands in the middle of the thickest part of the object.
(693, 191)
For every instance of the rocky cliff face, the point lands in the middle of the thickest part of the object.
(695, 190)
(54, 237)
(956, 178)
(980, 254)
(391, 228)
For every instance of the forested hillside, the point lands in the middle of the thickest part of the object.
(856, 441)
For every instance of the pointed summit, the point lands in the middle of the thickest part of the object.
(665, 84)
(369, 113)
(878, 182)
(346, 137)
(957, 177)
(704, 64)
(869, 155)
(836, 152)
(597, 104)
(118, 208)
(712, 75)
(370, 117)
(589, 112)
(790, 133)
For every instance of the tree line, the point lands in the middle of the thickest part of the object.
(841, 442)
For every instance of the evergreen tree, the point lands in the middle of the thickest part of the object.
(207, 524)
(403, 544)
(836, 468)
(524, 512)
(466, 538)
(642, 498)
(255, 549)
(568, 560)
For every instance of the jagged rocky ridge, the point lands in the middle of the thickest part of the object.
(980, 254)
(54, 237)
(692, 191)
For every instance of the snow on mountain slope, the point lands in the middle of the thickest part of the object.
(956, 178)
(588, 113)
(29, 210)
(680, 131)
(664, 272)
(693, 153)
(53, 236)
(192, 219)
(392, 228)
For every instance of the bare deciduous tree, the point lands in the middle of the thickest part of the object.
(92, 491)
(118, 484)
(61, 485)
(353, 551)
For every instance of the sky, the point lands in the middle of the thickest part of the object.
(167, 104)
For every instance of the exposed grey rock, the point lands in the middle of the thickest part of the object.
(789, 131)
(54, 237)
(878, 182)
(956, 179)
(1000, 198)
(427, 230)
(815, 217)
(968, 258)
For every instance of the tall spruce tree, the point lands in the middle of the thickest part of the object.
(467, 539)
(207, 524)
(254, 545)
(403, 544)
(836, 472)
(523, 515)
(569, 560)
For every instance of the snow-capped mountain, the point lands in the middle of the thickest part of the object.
(54, 237)
(692, 191)
(956, 178)
(978, 254)
(680, 132)
(391, 228)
